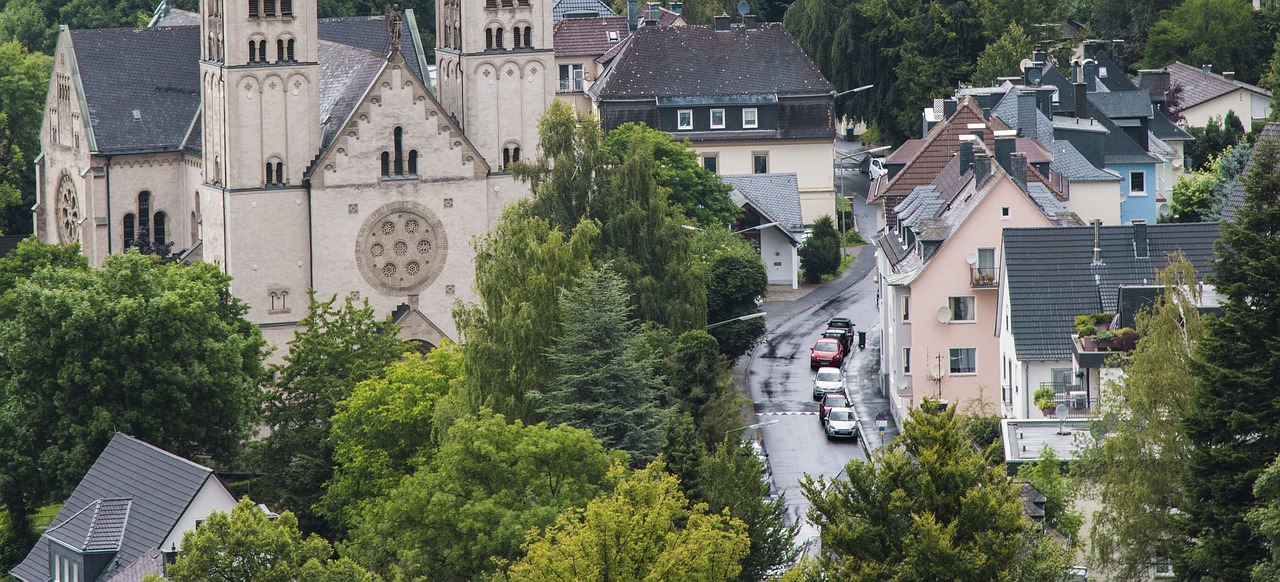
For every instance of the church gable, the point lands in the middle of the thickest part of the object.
(398, 131)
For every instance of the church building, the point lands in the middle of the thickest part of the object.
(296, 152)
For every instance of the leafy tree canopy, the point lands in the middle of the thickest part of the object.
(694, 191)
(732, 480)
(737, 279)
(24, 80)
(1003, 57)
(820, 255)
(1060, 493)
(1220, 32)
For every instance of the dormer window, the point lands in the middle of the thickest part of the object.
(717, 119)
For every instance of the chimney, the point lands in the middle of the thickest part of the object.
(1082, 101)
(1140, 250)
(1075, 71)
(949, 108)
(1038, 58)
(632, 16)
(722, 22)
(1097, 241)
(1154, 80)
(966, 153)
(1117, 52)
(749, 22)
(1089, 75)
(1229, 75)
(1026, 113)
(1206, 69)
(1090, 49)
(981, 168)
(677, 6)
(1004, 147)
(654, 13)
(1018, 169)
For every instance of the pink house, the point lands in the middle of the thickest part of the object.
(939, 275)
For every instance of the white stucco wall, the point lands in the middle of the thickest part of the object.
(1247, 105)
(211, 497)
(1095, 200)
(778, 252)
(810, 161)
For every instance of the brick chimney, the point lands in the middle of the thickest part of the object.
(1229, 75)
(981, 168)
(966, 153)
(1018, 169)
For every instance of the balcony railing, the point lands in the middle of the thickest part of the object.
(571, 85)
(983, 277)
(1080, 403)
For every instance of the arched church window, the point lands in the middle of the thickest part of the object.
(144, 211)
(399, 149)
(289, 50)
(129, 232)
(280, 54)
(413, 162)
(516, 37)
(161, 235)
(528, 37)
(195, 229)
(269, 8)
(262, 51)
(488, 39)
(515, 154)
(253, 8)
(506, 158)
(253, 51)
(286, 7)
(457, 36)
(497, 38)
(271, 176)
(386, 164)
(280, 173)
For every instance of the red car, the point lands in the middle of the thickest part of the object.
(827, 352)
(829, 401)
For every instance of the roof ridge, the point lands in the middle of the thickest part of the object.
(164, 452)
(966, 103)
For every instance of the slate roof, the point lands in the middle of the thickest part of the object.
(777, 195)
(120, 74)
(132, 486)
(1120, 148)
(1116, 79)
(1123, 104)
(345, 75)
(693, 61)
(563, 7)
(1051, 277)
(1065, 159)
(588, 36)
(1167, 130)
(1198, 87)
(1235, 198)
(1071, 164)
(937, 148)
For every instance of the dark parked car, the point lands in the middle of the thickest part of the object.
(829, 401)
(845, 338)
(826, 352)
(841, 323)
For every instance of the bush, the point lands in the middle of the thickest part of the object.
(1044, 398)
(821, 254)
(854, 239)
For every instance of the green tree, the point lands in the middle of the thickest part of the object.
(1136, 468)
(383, 430)
(24, 80)
(1002, 57)
(1213, 139)
(644, 530)
(1220, 32)
(605, 381)
(1060, 493)
(24, 21)
(571, 160)
(733, 480)
(1265, 521)
(682, 452)
(699, 380)
(1192, 199)
(693, 190)
(1273, 80)
(820, 255)
(1002, 17)
(928, 508)
(521, 266)
(1232, 423)
(249, 546)
(1125, 19)
(737, 279)
(337, 346)
(470, 507)
(162, 352)
(30, 256)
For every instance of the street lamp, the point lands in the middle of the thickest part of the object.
(758, 227)
(756, 315)
(875, 150)
(751, 426)
(855, 90)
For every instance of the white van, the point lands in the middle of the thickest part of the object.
(876, 168)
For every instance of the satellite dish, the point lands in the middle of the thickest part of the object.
(935, 371)
(1025, 64)
(744, 8)
(1060, 412)
(971, 258)
(1034, 75)
(944, 314)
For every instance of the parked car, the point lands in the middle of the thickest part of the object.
(829, 402)
(876, 168)
(842, 423)
(841, 323)
(826, 352)
(828, 380)
(845, 338)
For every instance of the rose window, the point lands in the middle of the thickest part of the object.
(389, 270)
(411, 226)
(412, 268)
(68, 211)
(388, 227)
(386, 243)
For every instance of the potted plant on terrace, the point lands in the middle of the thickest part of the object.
(1044, 400)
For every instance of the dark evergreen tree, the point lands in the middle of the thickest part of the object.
(820, 255)
(605, 379)
(1234, 424)
(682, 451)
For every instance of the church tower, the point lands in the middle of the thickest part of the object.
(260, 129)
(495, 72)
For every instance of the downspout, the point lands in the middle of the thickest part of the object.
(110, 220)
(35, 223)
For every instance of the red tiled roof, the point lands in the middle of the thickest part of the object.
(588, 36)
(905, 152)
(936, 149)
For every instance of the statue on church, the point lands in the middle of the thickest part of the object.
(393, 18)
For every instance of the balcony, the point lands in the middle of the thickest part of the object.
(1080, 403)
(983, 277)
(571, 85)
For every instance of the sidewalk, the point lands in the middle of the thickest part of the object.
(865, 391)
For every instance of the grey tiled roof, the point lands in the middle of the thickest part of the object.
(370, 33)
(1235, 197)
(1069, 162)
(121, 74)
(562, 7)
(1116, 79)
(680, 61)
(345, 74)
(1120, 148)
(1167, 130)
(98, 527)
(1051, 278)
(1124, 104)
(1198, 87)
(778, 195)
(159, 486)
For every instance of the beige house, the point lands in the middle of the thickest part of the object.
(298, 153)
(939, 278)
(1207, 95)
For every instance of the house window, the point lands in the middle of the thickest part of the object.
(684, 119)
(130, 234)
(571, 77)
(906, 360)
(717, 119)
(750, 120)
(160, 224)
(760, 162)
(964, 360)
(711, 162)
(987, 263)
(1137, 183)
(1004, 213)
(961, 308)
(906, 308)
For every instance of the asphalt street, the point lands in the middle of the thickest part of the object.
(780, 380)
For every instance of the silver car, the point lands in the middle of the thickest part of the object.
(828, 380)
(842, 423)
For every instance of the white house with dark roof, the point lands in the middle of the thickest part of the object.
(1207, 95)
(136, 501)
(1051, 275)
(771, 221)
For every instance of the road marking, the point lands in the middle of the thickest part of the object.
(809, 413)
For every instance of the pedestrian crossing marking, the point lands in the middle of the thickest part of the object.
(806, 413)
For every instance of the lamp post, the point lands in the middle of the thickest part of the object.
(854, 90)
(756, 315)
(757, 227)
(751, 426)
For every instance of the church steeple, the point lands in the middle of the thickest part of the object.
(259, 69)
